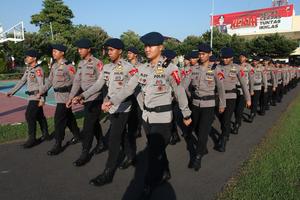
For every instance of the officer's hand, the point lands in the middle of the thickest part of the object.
(248, 104)
(187, 122)
(274, 89)
(76, 100)
(221, 110)
(252, 93)
(41, 103)
(69, 103)
(106, 106)
(8, 94)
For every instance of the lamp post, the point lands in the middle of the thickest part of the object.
(212, 24)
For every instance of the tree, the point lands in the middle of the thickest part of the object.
(57, 13)
(272, 45)
(190, 43)
(130, 38)
(220, 40)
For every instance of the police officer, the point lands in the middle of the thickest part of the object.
(279, 77)
(232, 75)
(61, 78)
(271, 82)
(240, 100)
(87, 74)
(135, 116)
(34, 77)
(157, 84)
(204, 79)
(115, 74)
(259, 86)
(170, 55)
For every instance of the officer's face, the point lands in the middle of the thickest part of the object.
(266, 62)
(242, 59)
(255, 63)
(29, 60)
(227, 61)
(131, 56)
(204, 57)
(153, 52)
(113, 53)
(56, 54)
(186, 62)
(193, 61)
(84, 52)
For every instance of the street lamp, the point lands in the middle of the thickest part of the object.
(212, 24)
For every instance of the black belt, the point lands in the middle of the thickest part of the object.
(257, 84)
(239, 86)
(159, 109)
(269, 81)
(205, 98)
(64, 89)
(231, 91)
(32, 92)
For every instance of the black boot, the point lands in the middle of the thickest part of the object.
(191, 162)
(235, 129)
(251, 118)
(166, 175)
(45, 133)
(174, 138)
(127, 162)
(74, 140)
(83, 159)
(56, 149)
(197, 162)
(31, 142)
(222, 144)
(105, 178)
(100, 147)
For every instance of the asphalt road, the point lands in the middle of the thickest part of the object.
(32, 175)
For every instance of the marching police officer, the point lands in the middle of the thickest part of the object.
(259, 86)
(232, 75)
(271, 79)
(135, 116)
(34, 77)
(203, 81)
(157, 83)
(279, 77)
(170, 55)
(115, 74)
(89, 69)
(61, 79)
(240, 100)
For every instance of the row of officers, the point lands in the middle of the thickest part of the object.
(156, 95)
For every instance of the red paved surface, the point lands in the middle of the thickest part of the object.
(12, 110)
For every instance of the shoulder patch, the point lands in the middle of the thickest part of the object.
(176, 76)
(242, 73)
(100, 65)
(72, 69)
(221, 75)
(133, 71)
(39, 72)
(252, 71)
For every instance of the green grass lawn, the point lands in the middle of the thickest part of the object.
(273, 170)
(19, 131)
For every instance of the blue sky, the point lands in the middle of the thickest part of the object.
(173, 18)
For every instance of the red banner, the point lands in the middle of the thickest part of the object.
(249, 18)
